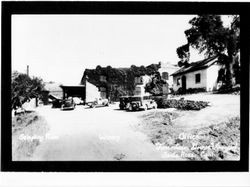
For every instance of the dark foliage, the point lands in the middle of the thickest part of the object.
(181, 104)
(120, 81)
(207, 34)
(24, 88)
(184, 54)
(155, 87)
(180, 91)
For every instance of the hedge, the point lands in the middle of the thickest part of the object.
(182, 104)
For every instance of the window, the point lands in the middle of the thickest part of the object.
(103, 78)
(165, 75)
(141, 79)
(178, 81)
(197, 78)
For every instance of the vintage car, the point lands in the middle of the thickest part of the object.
(98, 102)
(68, 104)
(78, 101)
(141, 102)
(124, 100)
(57, 103)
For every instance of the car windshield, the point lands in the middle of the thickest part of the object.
(135, 98)
(123, 98)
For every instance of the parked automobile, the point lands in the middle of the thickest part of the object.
(57, 103)
(77, 100)
(68, 104)
(141, 102)
(124, 100)
(19, 111)
(98, 102)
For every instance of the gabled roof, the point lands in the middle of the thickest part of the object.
(194, 66)
(53, 87)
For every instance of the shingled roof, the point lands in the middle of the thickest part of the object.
(194, 66)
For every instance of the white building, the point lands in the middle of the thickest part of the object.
(166, 70)
(140, 83)
(142, 80)
(201, 74)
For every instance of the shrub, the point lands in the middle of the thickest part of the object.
(229, 90)
(181, 104)
(195, 90)
(189, 91)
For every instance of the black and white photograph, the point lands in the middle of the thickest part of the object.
(125, 87)
(124, 93)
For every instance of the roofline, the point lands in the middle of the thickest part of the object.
(196, 69)
(77, 86)
(189, 71)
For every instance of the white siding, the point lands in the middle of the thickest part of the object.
(175, 86)
(190, 80)
(92, 92)
(142, 80)
(212, 75)
(208, 79)
(170, 69)
(139, 90)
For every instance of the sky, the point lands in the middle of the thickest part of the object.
(59, 47)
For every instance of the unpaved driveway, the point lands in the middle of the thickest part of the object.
(222, 107)
(107, 133)
(104, 133)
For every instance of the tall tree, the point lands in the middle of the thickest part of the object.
(184, 54)
(207, 34)
(24, 88)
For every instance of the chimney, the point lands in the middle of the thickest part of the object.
(28, 70)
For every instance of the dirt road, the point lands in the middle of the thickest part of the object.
(222, 107)
(107, 133)
(104, 133)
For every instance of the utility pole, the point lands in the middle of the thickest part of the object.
(28, 70)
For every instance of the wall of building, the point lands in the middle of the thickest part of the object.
(142, 80)
(92, 92)
(140, 83)
(212, 76)
(103, 92)
(54, 89)
(190, 80)
(169, 68)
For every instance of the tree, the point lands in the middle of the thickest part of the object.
(155, 86)
(207, 34)
(184, 54)
(99, 69)
(24, 88)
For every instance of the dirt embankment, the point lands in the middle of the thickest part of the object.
(215, 142)
(28, 131)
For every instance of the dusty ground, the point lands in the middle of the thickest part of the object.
(27, 132)
(104, 133)
(222, 107)
(107, 133)
(212, 133)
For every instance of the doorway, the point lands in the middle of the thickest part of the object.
(183, 83)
